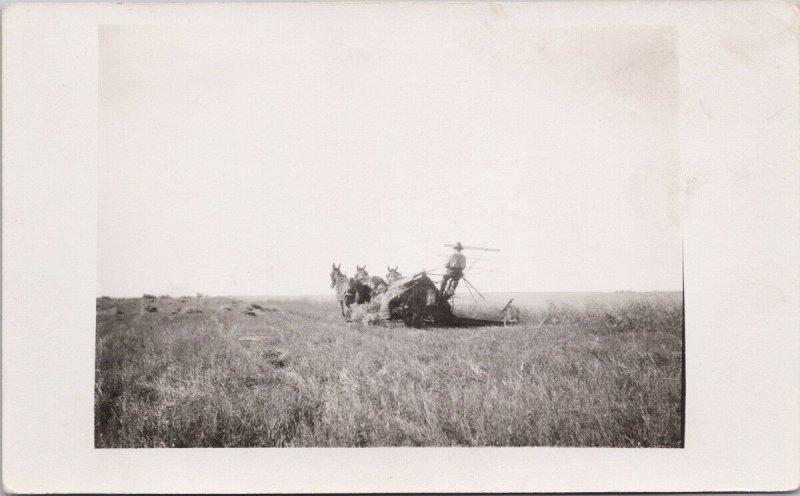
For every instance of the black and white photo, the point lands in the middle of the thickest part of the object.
(324, 236)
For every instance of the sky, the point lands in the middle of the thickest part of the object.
(244, 160)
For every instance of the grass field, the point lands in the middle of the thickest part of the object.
(600, 370)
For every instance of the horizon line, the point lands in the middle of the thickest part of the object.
(306, 295)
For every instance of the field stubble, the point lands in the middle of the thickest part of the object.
(292, 373)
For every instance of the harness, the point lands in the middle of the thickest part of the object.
(343, 288)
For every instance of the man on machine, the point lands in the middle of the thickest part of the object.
(455, 269)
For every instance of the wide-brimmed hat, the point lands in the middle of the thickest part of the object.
(458, 246)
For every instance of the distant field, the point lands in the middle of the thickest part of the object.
(581, 370)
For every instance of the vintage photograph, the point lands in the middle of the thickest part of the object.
(321, 235)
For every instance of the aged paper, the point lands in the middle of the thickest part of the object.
(608, 147)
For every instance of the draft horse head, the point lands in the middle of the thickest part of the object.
(393, 274)
(336, 274)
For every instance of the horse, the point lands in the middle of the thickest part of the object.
(393, 275)
(348, 290)
(375, 283)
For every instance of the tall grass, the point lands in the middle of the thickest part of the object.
(598, 375)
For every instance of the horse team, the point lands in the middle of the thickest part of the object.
(359, 289)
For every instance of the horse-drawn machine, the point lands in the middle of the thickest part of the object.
(419, 303)
(416, 301)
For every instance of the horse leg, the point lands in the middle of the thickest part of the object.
(341, 306)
